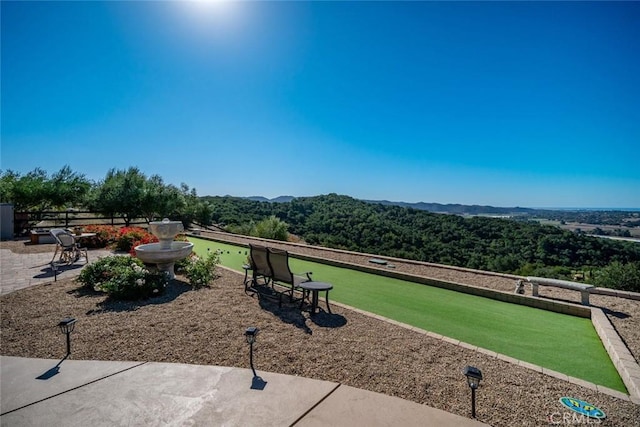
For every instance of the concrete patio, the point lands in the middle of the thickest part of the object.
(41, 392)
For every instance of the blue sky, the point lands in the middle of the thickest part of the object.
(494, 103)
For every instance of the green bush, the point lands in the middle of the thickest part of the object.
(201, 271)
(616, 275)
(123, 277)
(271, 228)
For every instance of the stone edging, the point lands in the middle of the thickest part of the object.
(616, 293)
(622, 359)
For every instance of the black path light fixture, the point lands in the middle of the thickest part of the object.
(250, 334)
(474, 375)
(67, 325)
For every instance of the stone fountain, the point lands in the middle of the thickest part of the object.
(166, 252)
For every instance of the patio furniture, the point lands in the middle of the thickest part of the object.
(259, 267)
(282, 275)
(314, 288)
(70, 249)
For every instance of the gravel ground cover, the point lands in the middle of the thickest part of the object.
(206, 327)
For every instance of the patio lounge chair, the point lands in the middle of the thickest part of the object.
(70, 250)
(282, 275)
(260, 268)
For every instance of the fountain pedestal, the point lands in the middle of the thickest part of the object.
(166, 252)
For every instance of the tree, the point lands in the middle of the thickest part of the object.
(121, 194)
(160, 200)
(204, 213)
(67, 188)
(620, 276)
(28, 192)
(271, 228)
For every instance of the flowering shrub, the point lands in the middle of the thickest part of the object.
(123, 277)
(201, 271)
(130, 237)
(105, 235)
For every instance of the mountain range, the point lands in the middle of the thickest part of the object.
(458, 209)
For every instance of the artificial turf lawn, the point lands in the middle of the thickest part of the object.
(552, 340)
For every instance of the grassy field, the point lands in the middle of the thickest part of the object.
(555, 341)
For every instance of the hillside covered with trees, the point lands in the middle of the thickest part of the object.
(491, 244)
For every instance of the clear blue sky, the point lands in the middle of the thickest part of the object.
(495, 103)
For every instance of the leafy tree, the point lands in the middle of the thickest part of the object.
(271, 228)
(121, 194)
(28, 192)
(159, 200)
(67, 188)
(204, 213)
(7, 182)
(620, 276)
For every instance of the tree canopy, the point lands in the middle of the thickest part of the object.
(491, 244)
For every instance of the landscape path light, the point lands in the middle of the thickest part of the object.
(474, 375)
(67, 325)
(250, 334)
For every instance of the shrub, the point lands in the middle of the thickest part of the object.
(123, 277)
(129, 237)
(616, 275)
(271, 228)
(105, 235)
(201, 271)
(180, 266)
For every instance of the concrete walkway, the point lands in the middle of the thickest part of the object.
(41, 392)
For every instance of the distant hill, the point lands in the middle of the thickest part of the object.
(503, 245)
(279, 199)
(457, 208)
(592, 216)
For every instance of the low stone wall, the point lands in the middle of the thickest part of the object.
(622, 359)
(616, 293)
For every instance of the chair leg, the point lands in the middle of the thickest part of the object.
(326, 299)
(54, 254)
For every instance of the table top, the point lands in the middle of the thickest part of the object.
(83, 235)
(316, 286)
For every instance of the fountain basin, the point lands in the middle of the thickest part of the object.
(164, 255)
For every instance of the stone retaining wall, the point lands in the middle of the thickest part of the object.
(622, 359)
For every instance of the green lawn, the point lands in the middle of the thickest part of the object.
(556, 341)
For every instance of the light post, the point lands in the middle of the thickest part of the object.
(67, 325)
(474, 375)
(250, 334)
